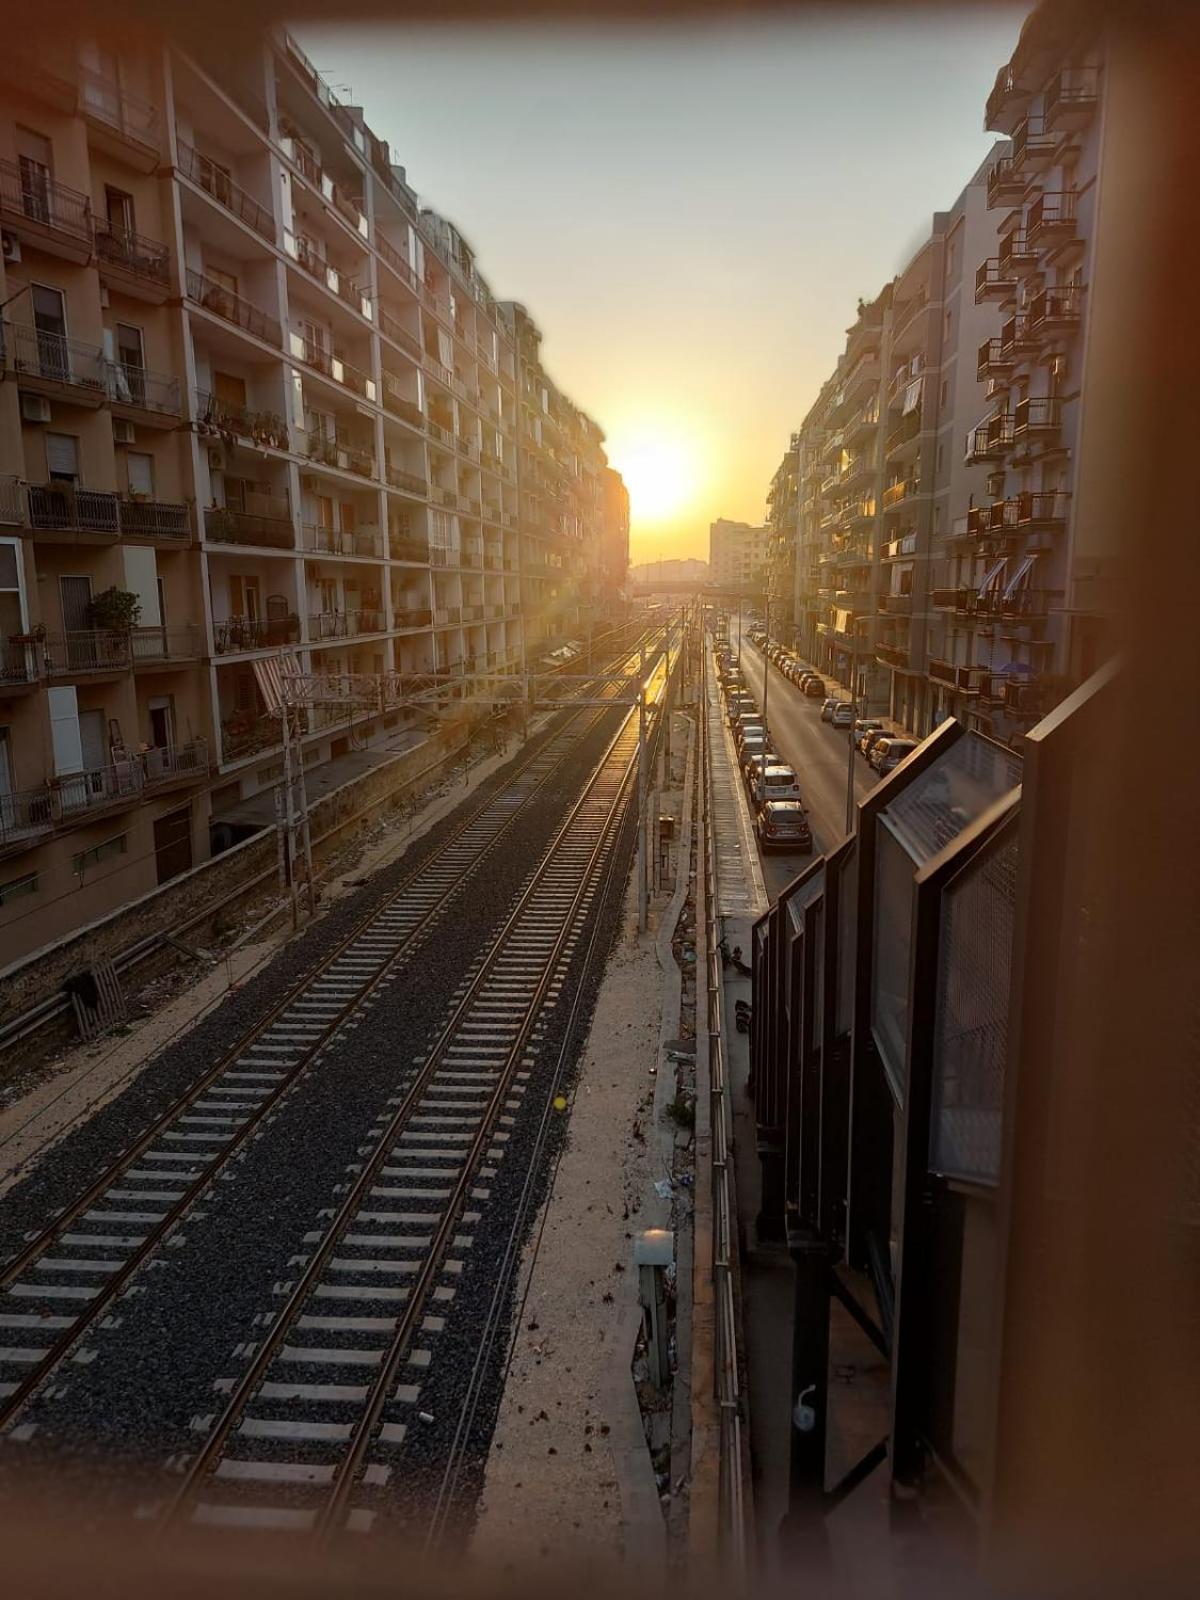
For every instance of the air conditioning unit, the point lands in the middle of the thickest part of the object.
(216, 460)
(35, 408)
(12, 246)
(123, 431)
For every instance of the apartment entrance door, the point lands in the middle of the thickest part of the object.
(173, 843)
(75, 594)
(50, 321)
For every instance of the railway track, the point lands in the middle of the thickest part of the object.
(62, 1283)
(309, 1433)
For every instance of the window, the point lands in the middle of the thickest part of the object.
(62, 457)
(50, 322)
(222, 279)
(12, 597)
(139, 469)
(36, 163)
(945, 392)
(118, 208)
(97, 853)
(18, 888)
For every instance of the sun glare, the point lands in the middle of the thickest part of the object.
(659, 472)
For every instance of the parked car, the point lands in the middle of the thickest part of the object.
(863, 726)
(827, 706)
(889, 753)
(814, 688)
(746, 711)
(843, 714)
(870, 739)
(748, 730)
(755, 757)
(782, 825)
(775, 783)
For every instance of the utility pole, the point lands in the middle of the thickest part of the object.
(850, 733)
(766, 660)
(641, 794)
(289, 811)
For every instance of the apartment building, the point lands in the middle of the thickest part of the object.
(880, 469)
(737, 554)
(783, 513)
(1034, 624)
(255, 396)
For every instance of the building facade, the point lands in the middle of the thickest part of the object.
(737, 554)
(256, 396)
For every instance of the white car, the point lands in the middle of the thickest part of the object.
(843, 714)
(776, 783)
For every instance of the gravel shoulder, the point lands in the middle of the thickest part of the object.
(568, 1440)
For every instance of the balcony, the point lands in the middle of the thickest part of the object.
(1055, 310)
(150, 394)
(965, 680)
(62, 508)
(243, 733)
(893, 655)
(397, 262)
(1017, 255)
(994, 283)
(68, 369)
(94, 652)
(347, 206)
(991, 439)
(164, 646)
(1006, 93)
(266, 428)
(1071, 97)
(56, 218)
(896, 493)
(1045, 509)
(224, 525)
(168, 766)
(410, 482)
(1050, 220)
(1032, 144)
(909, 428)
(404, 548)
(126, 125)
(399, 334)
(984, 522)
(215, 181)
(1005, 185)
(308, 254)
(1038, 417)
(235, 635)
(895, 605)
(395, 402)
(325, 625)
(409, 617)
(20, 662)
(993, 360)
(155, 519)
(321, 540)
(25, 815)
(140, 266)
(345, 454)
(232, 308)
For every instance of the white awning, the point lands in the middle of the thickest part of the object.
(912, 396)
(269, 678)
(1020, 577)
(992, 574)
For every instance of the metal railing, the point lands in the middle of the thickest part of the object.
(731, 1465)
(12, 500)
(404, 548)
(1056, 210)
(395, 401)
(215, 181)
(398, 478)
(225, 526)
(20, 661)
(87, 650)
(224, 303)
(148, 391)
(399, 334)
(1071, 89)
(993, 276)
(343, 541)
(233, 634)
(1037, 413)
(413, 618)
(245, 735)
(25, 813)
(345, 624)
(180, 763)
(1030, 138)
(154, 519)
(55, 357)
(63, 506)
(107, 101)
(264, 427)
(166, 644)
(133, 253)
(123, 781)
(28, 191)
(1061, 304)
(396, 261)
(342, 453)
(336, 367)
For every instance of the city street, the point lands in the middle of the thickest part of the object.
(818, 753)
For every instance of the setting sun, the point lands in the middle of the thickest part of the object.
(660, 471)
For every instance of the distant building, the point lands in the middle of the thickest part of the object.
(687, 572)
(737, 553)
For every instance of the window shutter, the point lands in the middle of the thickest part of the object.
(64, 730)
(62, 455)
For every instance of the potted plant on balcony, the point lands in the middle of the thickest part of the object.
(114, 610)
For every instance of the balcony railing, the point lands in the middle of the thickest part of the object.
(1016, 254)
(991, 439)
(234, 634)
(1044, 508)
(896, 605)
(264, 427)
(147, 391)
(966, 680)
(396, 261)
(343, 541)
(26, 191)
(395, 401)
(215, 181)
(88, 650)
(412, 617)
(348, 455)
(154, 519)
(56, 358)
(910, 426)
(224, 303)
(1060, 307)
(413, 482)
(20, 662)
(1039, 414)
(1072, 95)
(170, 764)
(399, 334)
(133, 253)
(223, 525)
(166, 644)
(345, 624)
(12, 500)
(244, 734)
(1052, 216)
(404, 548)
(1031, 142)
(999, 517)
(892, 655)
(106, 101)
(24, 814)
(1004, 184)
(895, 493)
(992, 281)
(61, 507)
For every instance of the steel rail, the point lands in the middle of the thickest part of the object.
(48, 1237)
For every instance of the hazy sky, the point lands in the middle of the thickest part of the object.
(689, 214)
